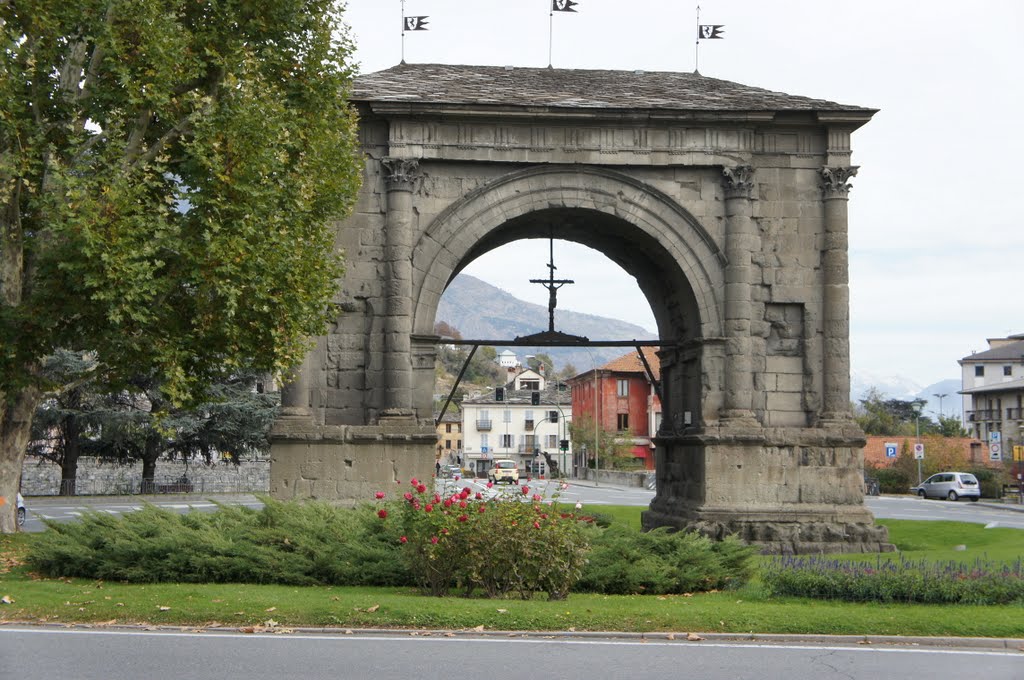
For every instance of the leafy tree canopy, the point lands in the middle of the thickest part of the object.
(168, 169)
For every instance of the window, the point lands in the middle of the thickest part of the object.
(1008, 370)
(529, 384)
(529, 416)
(530, 442)
(447, 427)
(483, 442)
(622, 387)
(551, 442)
(979, 371)
(623, 422)
(507, 416)
(507, 441)
(447, 443)
(458, 443)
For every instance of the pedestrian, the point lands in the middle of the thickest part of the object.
(437, 467)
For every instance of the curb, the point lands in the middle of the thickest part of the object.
(1003, 644)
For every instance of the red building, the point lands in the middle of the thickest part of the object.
(623, 396)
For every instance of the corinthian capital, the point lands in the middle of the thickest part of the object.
(834, 180)
(738, 181)
(401, 173)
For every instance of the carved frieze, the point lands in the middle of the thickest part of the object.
(835, 180)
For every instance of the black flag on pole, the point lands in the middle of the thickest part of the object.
(710, 32)
(414, 23)
(563, 5)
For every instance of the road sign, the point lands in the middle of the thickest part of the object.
(891, 449)
(995, 436)
(995, 451)
(918, 451)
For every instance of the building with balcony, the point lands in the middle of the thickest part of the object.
(525, 420)
(993, 393)
(625, 399)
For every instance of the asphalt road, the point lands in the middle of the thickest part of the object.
(61, 509)
(45, 653)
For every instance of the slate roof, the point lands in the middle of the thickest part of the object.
(1011, 351)
(577, 89)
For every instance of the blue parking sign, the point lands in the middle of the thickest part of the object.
(890, 450)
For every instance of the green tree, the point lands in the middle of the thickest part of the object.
(168, 172)
(612, 449)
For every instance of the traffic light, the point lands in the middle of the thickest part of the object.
(499, 394)
(535, 398)
(563, 445)
(552, 416)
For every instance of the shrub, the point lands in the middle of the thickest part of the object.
(287, 543)
(505, 545)
(891, 480)
(886, 580)
(624, 560)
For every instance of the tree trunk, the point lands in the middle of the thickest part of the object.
(69, 461)
(16, 413)
(149, 456)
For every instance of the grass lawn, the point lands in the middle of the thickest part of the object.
(749, 609)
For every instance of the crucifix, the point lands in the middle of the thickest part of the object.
(552, 284)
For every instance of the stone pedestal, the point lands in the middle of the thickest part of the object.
(346, 465)
(786, 490)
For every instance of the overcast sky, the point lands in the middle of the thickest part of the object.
(936, 233)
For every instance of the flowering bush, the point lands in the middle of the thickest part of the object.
(508, 544)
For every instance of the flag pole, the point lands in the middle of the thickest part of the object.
(403, 31)
(551, 33)
(696, 48)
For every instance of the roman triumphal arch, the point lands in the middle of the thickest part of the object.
(727, 203)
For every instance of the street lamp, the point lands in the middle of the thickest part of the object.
(917, 405)
(940, 397)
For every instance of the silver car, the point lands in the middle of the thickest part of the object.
(950, 485)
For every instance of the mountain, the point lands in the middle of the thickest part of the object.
(481, 311)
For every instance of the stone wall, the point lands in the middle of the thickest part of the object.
(97, 476)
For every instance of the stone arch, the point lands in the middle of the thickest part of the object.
(677, 264)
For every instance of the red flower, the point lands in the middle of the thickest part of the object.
(537, 497)
(482, 509)
(437, 498)
(457, 478)
(529, 479)
(466, 491)
(382, 513)
(525, 489)
(428, 508)
(414, 481)
(479, 496)
(490, 484)
(463, 518)
(433, 539)
(421, 488)
(416, 505)
(379, 495)
(463, 504)
(403, 539)
(447, 502)
(407, 496)
(444, 531)
(536, 525)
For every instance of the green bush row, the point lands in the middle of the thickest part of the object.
(891, 580)
(514, 548)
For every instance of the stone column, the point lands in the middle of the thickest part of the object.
(295, 395)
(836, 294)
(401, 175)
(740, 243)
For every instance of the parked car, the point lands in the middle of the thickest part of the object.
(21, 510)
(504, 471)
(950, 485)
(451, 471)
